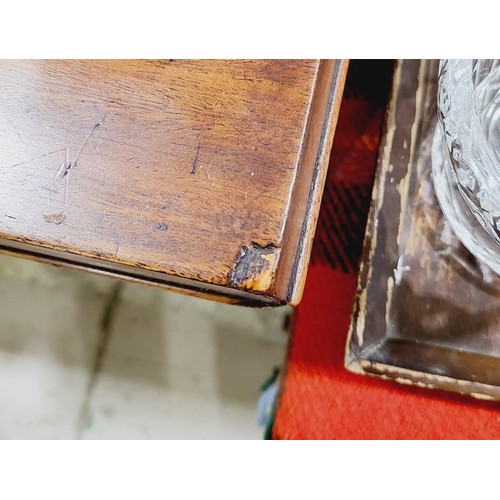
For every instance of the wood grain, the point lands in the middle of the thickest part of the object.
(204, 176)
(426, 313)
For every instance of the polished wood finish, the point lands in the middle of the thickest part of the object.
(426, 313)
(202, 176)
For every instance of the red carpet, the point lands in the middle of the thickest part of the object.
(320, 399)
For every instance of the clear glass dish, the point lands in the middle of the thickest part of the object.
(466, 154)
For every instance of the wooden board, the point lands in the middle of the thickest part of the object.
(425, 313)
(204, 176)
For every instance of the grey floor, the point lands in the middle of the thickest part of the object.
(87, 357)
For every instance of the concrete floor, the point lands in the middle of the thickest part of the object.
(87, 357)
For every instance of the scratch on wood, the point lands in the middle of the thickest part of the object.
(485, 397)
(10, 216)
(195, 162)
(255, 267)
(63, 172)
(237, 129)
(49, 190)
(37, 157)
(64, 165)
(16, 130)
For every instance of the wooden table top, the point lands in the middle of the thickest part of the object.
(203, 176)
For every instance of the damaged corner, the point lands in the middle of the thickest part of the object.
(255, 267)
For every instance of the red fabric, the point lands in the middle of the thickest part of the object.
(320, 399)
